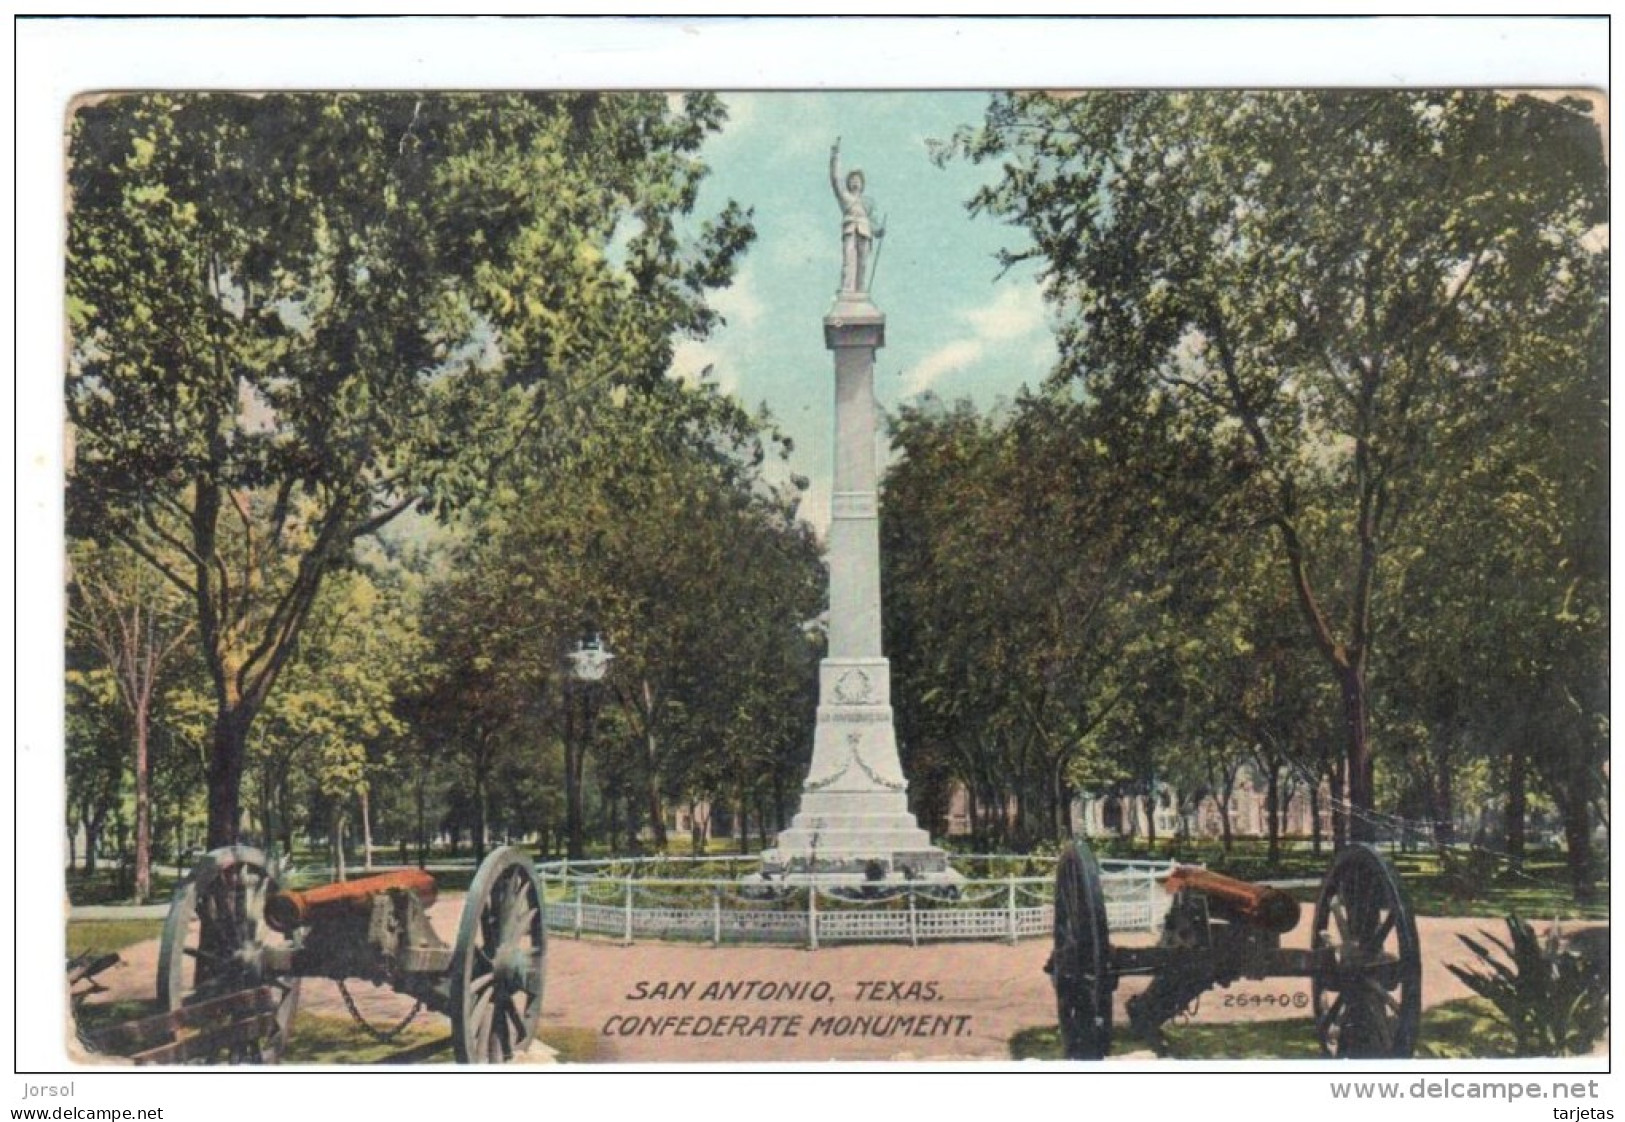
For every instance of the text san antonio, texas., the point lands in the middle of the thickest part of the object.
(785, 1025)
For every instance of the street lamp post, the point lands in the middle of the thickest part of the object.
(585, 668)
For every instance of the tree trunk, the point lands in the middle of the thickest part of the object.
(225, 777)
(1577, 840)
(1517, 805)
(611, 803)
(121, 852)
(481, 766)
(992, 814)
(1272, 812)
(656, 811)
(1314, 817)
(651, 769)
(366, 831)
(634, 824)
(1444, 828)
(1221, 799)
(1356, 720)
(143, 807)
(93, 830)
(1063, 799)
(1340, 814)
(423, 820)
(341, 869)
(284, 806)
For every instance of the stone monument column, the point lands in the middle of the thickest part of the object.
(854, 821)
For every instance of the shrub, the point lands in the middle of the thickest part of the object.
(1465, 876)
(1553, 998)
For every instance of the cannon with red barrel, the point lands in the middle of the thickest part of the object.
(232, 930)
(1363, 961)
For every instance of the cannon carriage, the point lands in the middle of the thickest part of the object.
(1363, 961)
(232, 929)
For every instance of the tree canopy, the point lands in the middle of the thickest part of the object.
(1332, 284)
(297, 316)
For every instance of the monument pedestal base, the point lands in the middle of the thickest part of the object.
(854, 822)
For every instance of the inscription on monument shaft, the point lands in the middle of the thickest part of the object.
(853, 717)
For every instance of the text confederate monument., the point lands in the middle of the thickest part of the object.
(854, 821)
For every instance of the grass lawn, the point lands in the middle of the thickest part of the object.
(427, 1040)
(107, 886)
(1541, 891)
(1455, 1030)
(102, 936)
(339, 1040)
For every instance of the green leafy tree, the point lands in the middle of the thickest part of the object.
(129, 616)
(1321, 280)
(651, 524)
(178, 807)
(297, 316)
(1031, 560)
(97, 759)
(333, 717)
(480, 678)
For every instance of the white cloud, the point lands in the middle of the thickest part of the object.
(1016, 312)
(689, 359)
(739, 304)
(944, 360)
(742, 308)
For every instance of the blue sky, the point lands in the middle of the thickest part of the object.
(953, 325)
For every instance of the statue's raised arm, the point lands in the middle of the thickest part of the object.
(857, 233)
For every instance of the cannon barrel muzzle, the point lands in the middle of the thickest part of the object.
(285, 911)
(1256, 905)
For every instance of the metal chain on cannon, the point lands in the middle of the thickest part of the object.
(382, 1036)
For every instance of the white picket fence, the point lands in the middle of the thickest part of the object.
(588, 898)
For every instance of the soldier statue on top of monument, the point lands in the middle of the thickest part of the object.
(858, 232)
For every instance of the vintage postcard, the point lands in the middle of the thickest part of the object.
(1110, 574)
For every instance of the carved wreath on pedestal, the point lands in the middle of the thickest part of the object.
(853, 688)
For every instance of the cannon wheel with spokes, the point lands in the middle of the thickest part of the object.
(1081, 963)
(1368, 1004)
(214, 939)
(497, 964)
